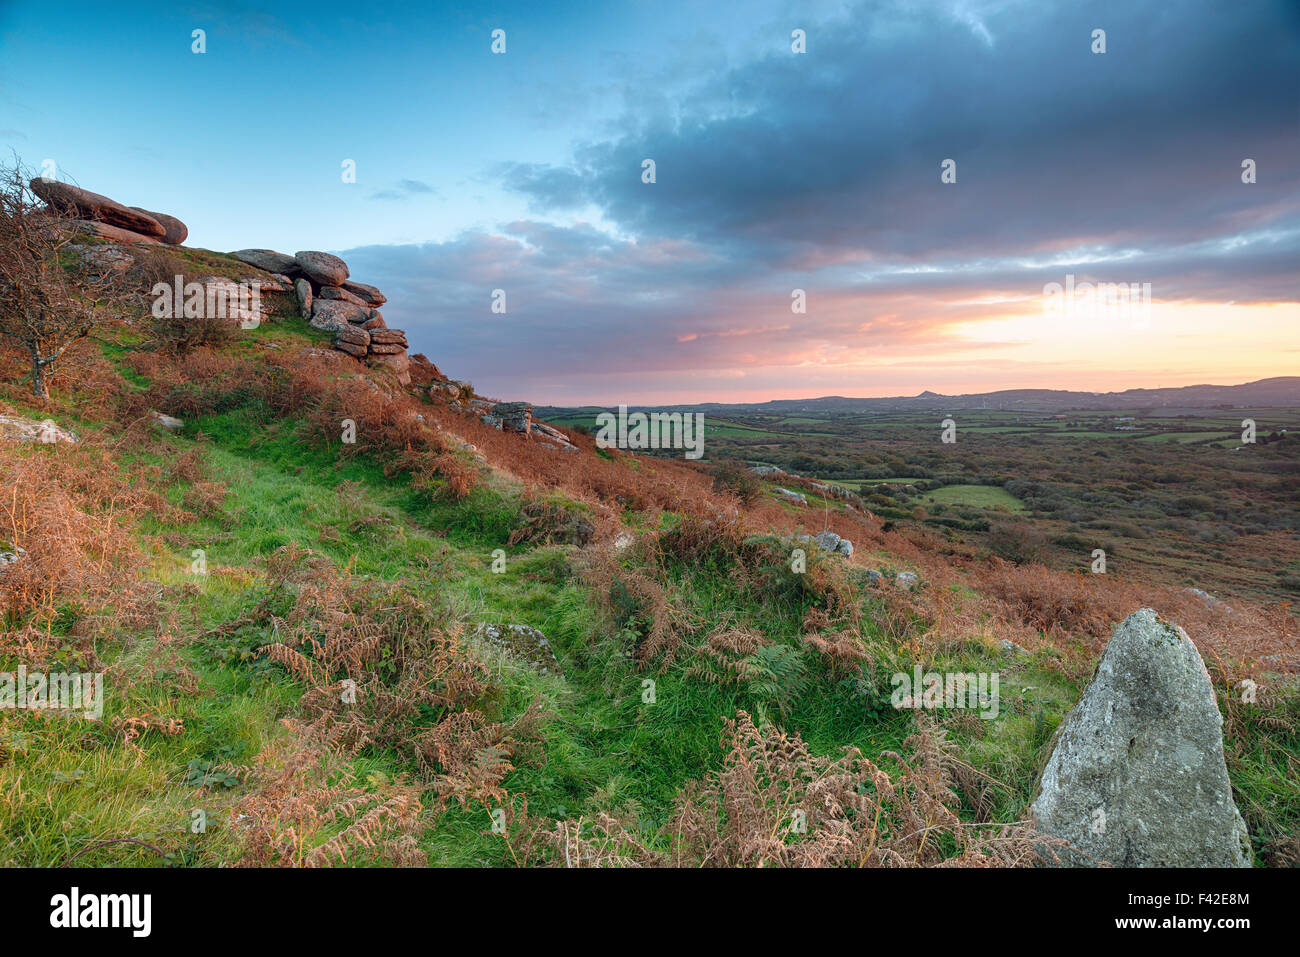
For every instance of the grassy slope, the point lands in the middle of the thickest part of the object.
(73, 784)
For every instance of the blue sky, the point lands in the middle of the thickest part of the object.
(775, 171)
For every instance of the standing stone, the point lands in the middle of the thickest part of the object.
(322, 268)
(1137, 777)
(303, 288)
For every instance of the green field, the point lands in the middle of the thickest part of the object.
(979, 496)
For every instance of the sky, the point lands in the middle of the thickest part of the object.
(774, 171)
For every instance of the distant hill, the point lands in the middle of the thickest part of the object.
(1278, 392)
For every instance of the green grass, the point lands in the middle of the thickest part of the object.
(979, 496)
(65, 785)
(607, 749)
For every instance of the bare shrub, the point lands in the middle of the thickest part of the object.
(50, 299)
(775, 804)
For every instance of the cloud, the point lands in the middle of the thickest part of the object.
(822, 172)
(405, 189)
(1054, 145)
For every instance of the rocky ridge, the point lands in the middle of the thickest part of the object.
(320, 284)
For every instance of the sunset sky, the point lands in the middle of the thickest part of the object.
(775, 171)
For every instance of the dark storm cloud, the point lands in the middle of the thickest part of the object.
(1055, 145)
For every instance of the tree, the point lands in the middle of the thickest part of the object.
(49, 300)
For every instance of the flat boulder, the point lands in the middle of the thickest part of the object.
(176, 231)
(1137, 776)
(269, 260)
(342, 295)
(321, 268)
(551, 438)
(329, 314)
(352, 339)
(395, 337)
(67, 198)
(365, 291)
(385, 341)
(794, 498)
(112, 233)
(168, 422)
(521, 642)
(18, 429)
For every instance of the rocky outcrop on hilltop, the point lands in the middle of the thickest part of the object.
(825, 489)
(829, 541)
(329, 300)
(107, 218)
(321, 284)
(508, 416)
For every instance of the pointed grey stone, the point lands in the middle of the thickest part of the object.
(1137, 776)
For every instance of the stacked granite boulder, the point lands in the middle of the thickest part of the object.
(329, 300)
(105, 218)
(518, 417)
